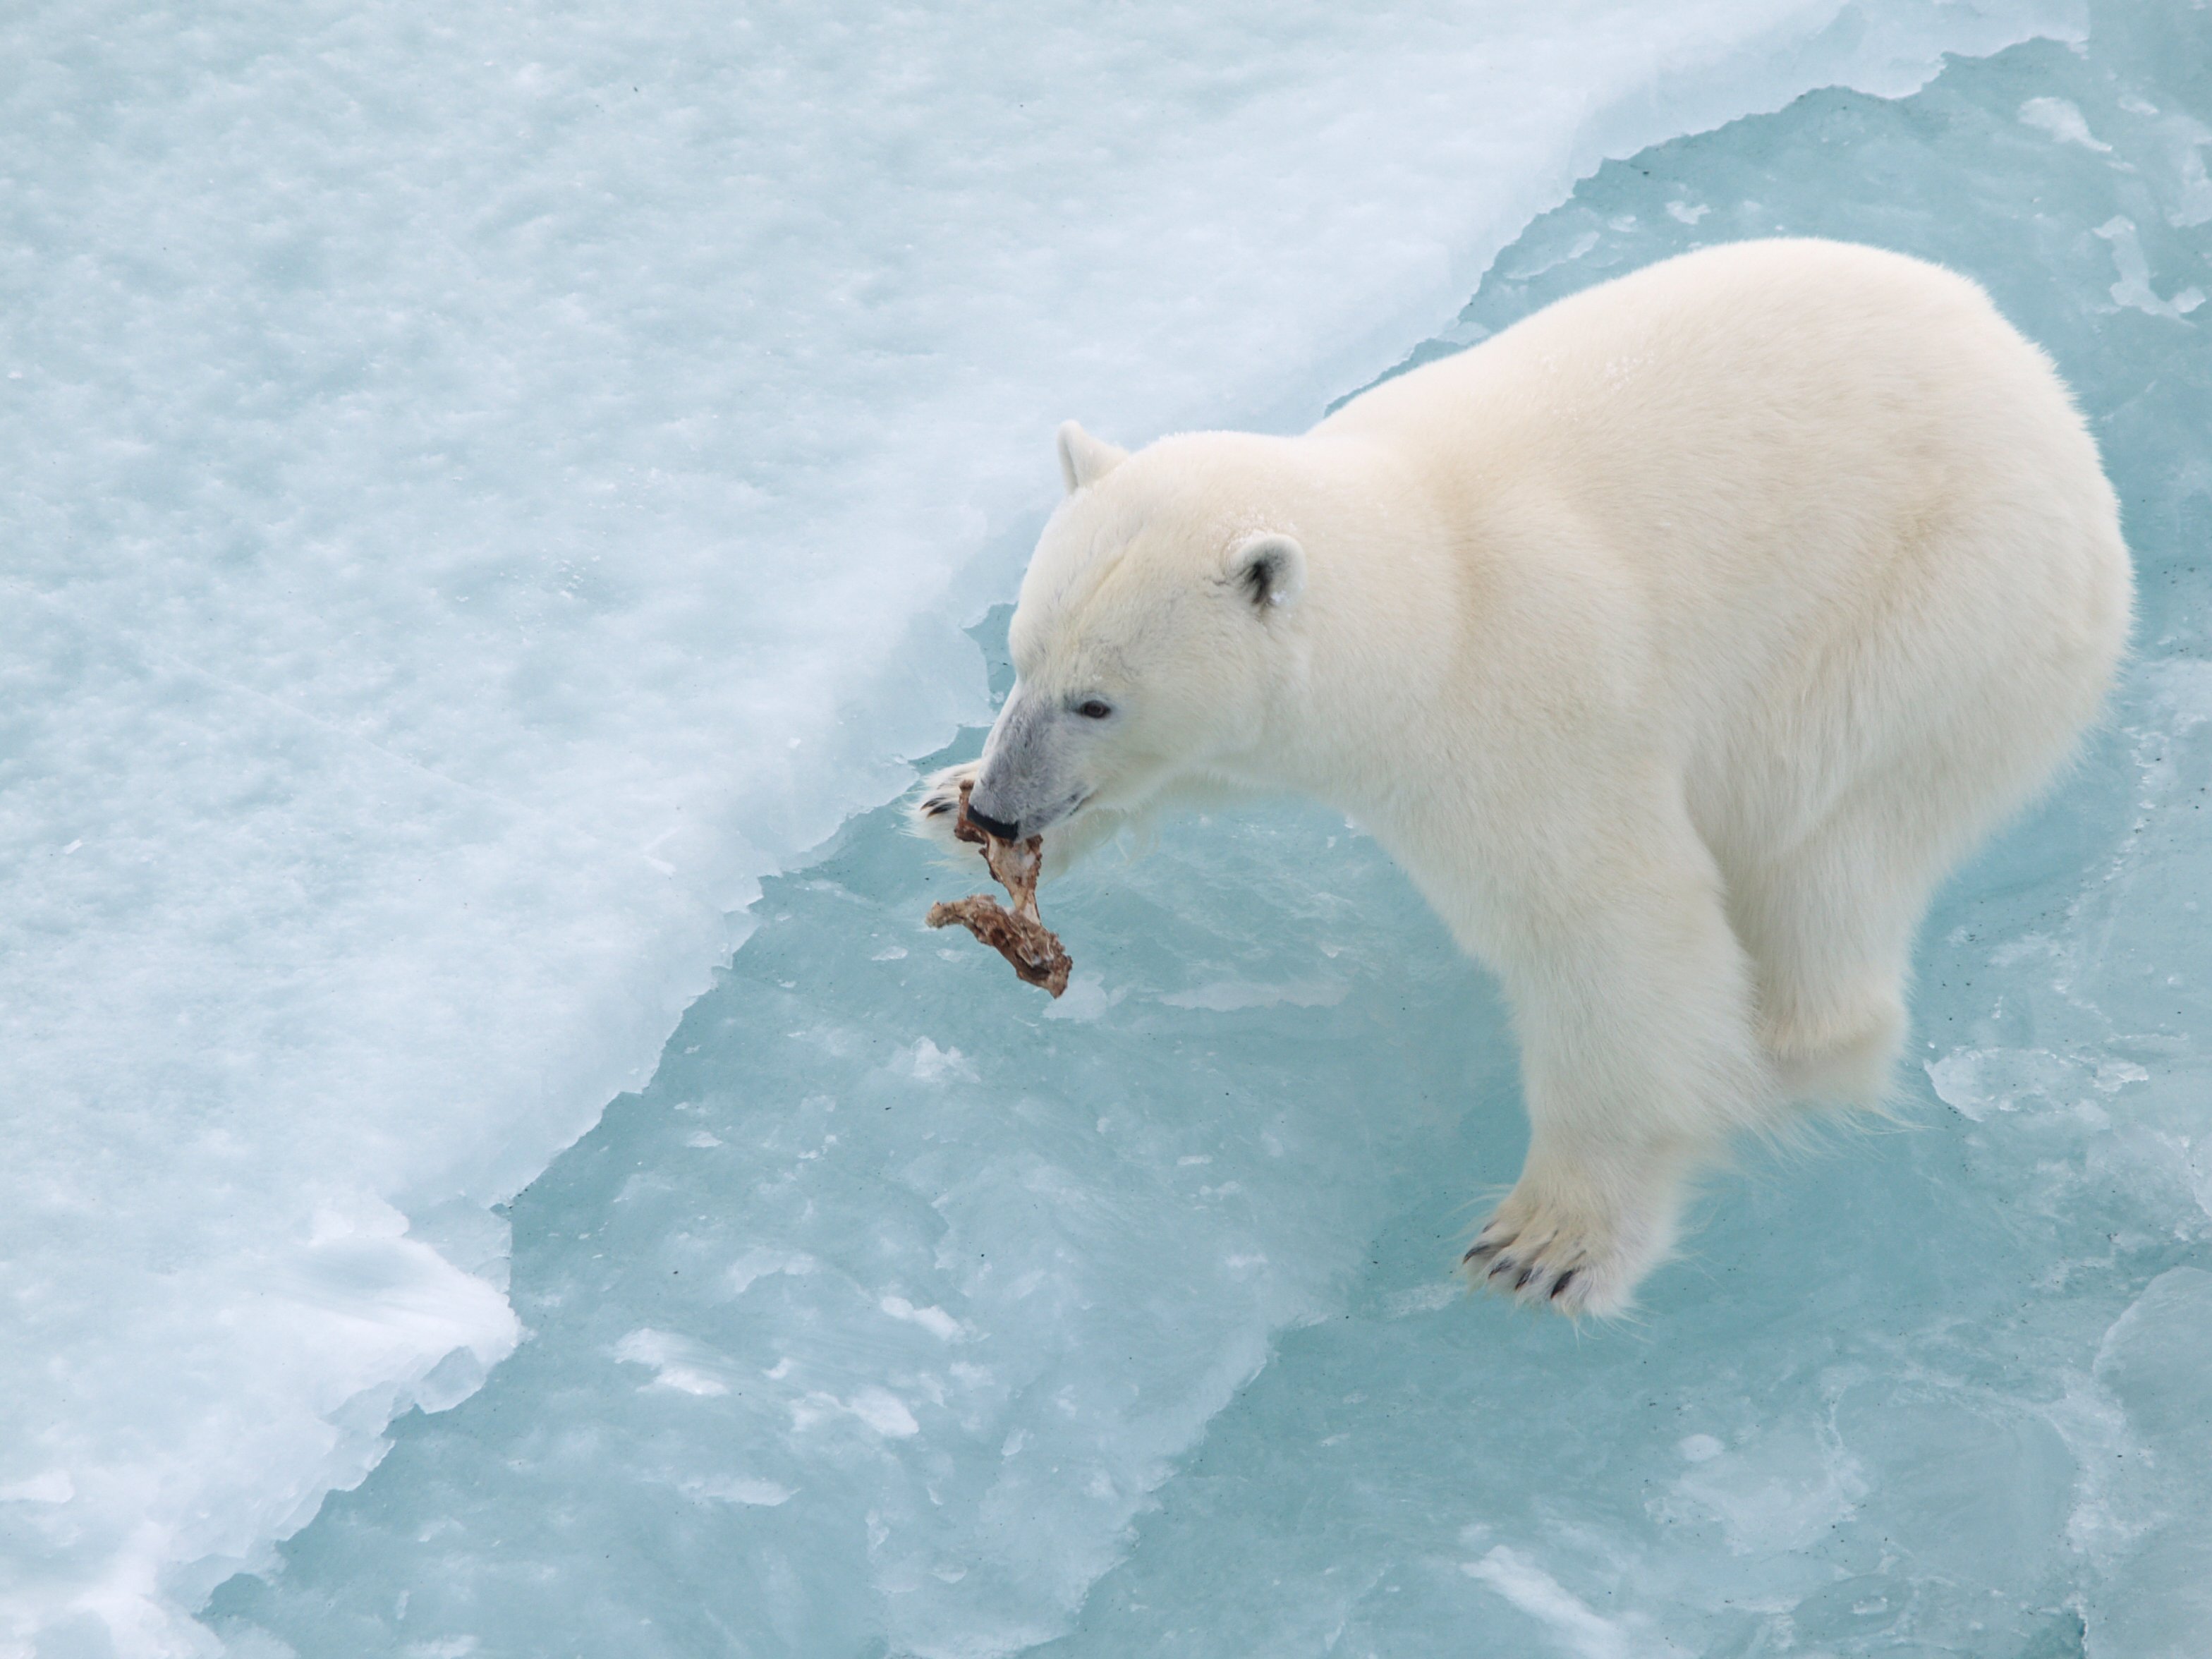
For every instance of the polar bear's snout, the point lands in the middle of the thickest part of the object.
(1020, 812)
(1027, 782)
(991, 826)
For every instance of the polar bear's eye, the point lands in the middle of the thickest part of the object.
(1093, 710)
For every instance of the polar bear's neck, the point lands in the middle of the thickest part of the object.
(1378, 634)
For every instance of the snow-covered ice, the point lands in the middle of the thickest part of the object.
(488, 488)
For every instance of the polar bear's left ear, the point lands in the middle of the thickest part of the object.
(1085, 460)
(1269, 571)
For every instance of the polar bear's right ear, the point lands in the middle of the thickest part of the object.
(1085, 460)
(1270, 571)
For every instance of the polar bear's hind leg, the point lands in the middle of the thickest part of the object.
(1829, 924)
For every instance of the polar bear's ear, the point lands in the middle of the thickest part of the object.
(1269, 571)
(1085, 460)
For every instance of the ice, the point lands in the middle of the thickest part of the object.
(1163, 1288)
(2143, 1517)
(2063, 122)
(962, 1277)
(489, 486)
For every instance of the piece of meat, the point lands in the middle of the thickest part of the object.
(1019, 935)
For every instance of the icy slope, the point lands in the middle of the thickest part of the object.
(484, 485)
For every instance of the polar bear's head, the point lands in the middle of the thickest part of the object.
(1155, 630)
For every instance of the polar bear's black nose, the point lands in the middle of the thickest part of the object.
(991, 826)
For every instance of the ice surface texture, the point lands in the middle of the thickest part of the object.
(486, 484)
(901, 1305)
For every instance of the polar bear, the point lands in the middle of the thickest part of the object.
(1676, 642)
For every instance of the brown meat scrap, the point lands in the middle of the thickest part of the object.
(1019, 935)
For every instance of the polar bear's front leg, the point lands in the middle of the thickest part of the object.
(1632, 999)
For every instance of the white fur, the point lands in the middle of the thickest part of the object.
(1678, 641)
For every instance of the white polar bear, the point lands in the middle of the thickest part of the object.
(1677, 642)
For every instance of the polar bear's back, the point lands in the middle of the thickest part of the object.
(1834, 496)
(1736, 414)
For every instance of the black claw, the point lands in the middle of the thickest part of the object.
(1522, 1283)
(1501, 1264)
(1565, 1279)
(937, 809)
(1477, 1248)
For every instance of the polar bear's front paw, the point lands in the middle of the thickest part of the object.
(937, 810)
(1566, 1250)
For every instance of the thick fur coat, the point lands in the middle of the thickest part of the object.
(1677, 642)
